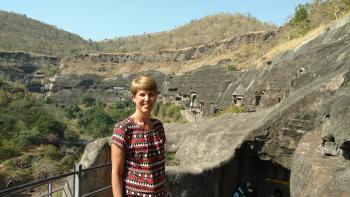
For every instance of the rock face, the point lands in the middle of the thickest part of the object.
(207, 92)
(178, 55)
(68, 89)
(314, 174)
(305, 90)
(301, 99)
(33, 70)
(96, 153)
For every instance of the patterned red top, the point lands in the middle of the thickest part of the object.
(144, 168)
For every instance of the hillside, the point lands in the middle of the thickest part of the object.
(208, 29)
(18, 32)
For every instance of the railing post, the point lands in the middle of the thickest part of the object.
(77, 169)
(49, 189)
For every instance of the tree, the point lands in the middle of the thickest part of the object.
(96, 122)
(300, 20)
(88, 100)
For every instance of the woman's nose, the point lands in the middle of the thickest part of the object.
(146, 97)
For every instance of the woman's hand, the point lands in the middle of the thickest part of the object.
(117, 157)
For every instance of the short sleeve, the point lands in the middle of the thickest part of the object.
(163, 134)
(119, 136)
(161, 130)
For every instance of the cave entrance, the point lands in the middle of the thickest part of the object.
(267, 179)
(257, 100)
(193, 100)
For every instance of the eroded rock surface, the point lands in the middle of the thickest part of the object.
(303, 92)
(95, 154)
(314, 174)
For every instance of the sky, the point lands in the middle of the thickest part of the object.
(107, 19)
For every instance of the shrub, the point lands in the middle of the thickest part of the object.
(68, 161)
(2, 180)
(44, 168)
(168, 112)
(232, 109)
(51, 152)
(48, 124)
(231, 67)
(71, 136)
(170, 159)
(30, 137)
(9, 149)
(300, 20)
(120, 110)
(72, 111)
(87, 100)
(18, 176)
(96, 122)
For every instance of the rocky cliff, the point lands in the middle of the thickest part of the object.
(33, 70)
(305, 89)
(178, 55)
(295, 143)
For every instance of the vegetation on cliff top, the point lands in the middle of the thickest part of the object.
(208, 29)
(311, 15)
(18, 32)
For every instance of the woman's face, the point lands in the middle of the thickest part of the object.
(145, 100)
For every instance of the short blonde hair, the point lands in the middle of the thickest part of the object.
(143, 83)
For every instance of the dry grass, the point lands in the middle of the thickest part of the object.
(241, 56)
(284, 46)
(290, 44)
(244, 56)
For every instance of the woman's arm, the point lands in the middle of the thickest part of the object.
(117, 157)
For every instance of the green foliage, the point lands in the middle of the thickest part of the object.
(120, 110)
(25, 119)
(48, 124)
(3, 179)
(87, 100)
(301, 21)
(231, 67)
(9, 149)
(73, 111)
(168, 112)
(29, 137)
(312, 15)
(25, 124)
(24, 34)
(170, 159)
(96, 122)
(68, 160)
(51, 152)
(232, 109)
(71, 136)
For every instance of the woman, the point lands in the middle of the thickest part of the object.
(138, 156)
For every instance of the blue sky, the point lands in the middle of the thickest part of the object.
(100, 19)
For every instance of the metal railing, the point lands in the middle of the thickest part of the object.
(77, 172)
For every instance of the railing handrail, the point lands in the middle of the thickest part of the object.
(30, 185)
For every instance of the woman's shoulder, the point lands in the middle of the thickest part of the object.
(124, 124)
(156, 122)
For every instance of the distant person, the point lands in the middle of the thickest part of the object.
(244, 190)
(138, 155)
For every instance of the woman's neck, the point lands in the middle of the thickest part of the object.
(141, 118)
